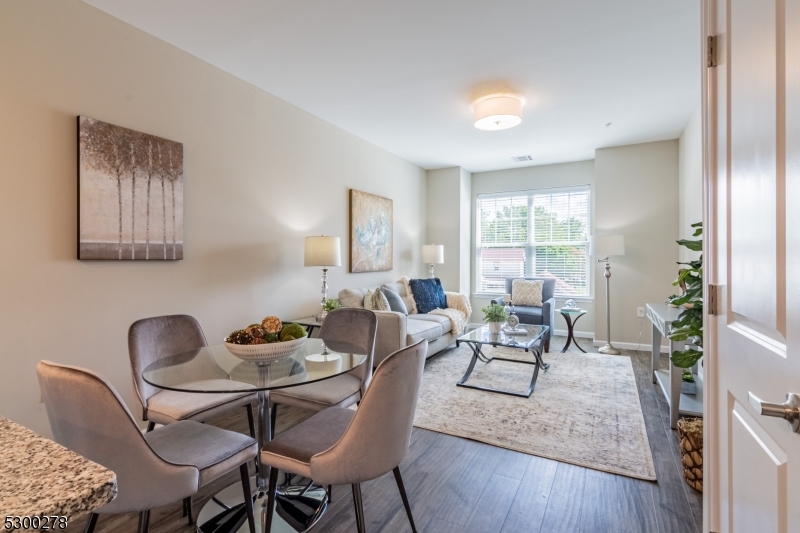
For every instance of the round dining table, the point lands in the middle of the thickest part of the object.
(214, 370)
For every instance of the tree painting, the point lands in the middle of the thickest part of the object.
(119, 209)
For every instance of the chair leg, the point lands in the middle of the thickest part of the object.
(359, 508)
(547, 346)
(399, 479)
(151, 426)
(330, 493)
(144, 522)
(273, 420)
(273, 487)
(187, 502)
(90, 523)
(250, 422)
(248, 498)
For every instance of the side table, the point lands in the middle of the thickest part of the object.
(571, 316)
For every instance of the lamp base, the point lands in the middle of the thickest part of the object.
(609, 350)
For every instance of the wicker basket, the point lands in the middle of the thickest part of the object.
(691, 434)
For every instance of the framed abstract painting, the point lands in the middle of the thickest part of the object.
(130, 194)
(371, 232)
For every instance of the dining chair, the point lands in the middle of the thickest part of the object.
(151, 339)
(345, 330)
(153, 469)
(339, 446)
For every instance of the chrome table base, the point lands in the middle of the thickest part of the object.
(298, 507)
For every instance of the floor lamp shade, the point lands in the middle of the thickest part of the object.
(433, 254)
(607, 245)
(323, 252)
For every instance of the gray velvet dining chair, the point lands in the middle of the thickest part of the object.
(153, 469)
(346, 330)
(339, 446)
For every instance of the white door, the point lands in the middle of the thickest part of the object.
(752, 185)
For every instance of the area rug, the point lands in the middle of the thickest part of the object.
(585, 409)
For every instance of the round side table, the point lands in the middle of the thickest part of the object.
(571, 316)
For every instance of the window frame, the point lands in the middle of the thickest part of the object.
(531, 244)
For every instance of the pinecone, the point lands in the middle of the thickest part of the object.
(256, 331)
(272, 324)
(239, 336)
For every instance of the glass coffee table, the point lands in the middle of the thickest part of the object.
(531, 340)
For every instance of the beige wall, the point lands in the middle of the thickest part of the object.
(530, 178)
(690, 181)
(260, 175)
(636, 195)
(448, 223)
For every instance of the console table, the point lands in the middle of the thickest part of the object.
(662, 316)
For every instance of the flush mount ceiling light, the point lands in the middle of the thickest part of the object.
(498, 112)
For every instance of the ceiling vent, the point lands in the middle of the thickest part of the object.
(521, 158)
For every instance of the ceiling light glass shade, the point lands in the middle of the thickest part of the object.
(323, 251)
(605, 245)
(498, 113)
(433, 254)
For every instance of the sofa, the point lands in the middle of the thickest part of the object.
(397, 330)
(541, 316)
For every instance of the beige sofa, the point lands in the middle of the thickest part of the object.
(396, 330)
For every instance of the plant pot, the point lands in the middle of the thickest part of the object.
(494, 327)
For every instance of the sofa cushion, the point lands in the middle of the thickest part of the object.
(376, 301)
(527, 292)
(439, 319)
(352, 298)
(528, 315)
(400, 288)
(396, 303)
(416, 330)
(428, 294)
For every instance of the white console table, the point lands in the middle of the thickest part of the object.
(662, 316)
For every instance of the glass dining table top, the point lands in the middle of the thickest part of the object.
(213, 369)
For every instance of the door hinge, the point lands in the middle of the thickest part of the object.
(711, 305)
(711, 51)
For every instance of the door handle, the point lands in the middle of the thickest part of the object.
(788, 410)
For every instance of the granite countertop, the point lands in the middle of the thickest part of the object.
(41, 477)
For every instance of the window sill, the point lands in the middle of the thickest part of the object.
(493, 295)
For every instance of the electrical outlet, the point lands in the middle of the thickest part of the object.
(640, 312)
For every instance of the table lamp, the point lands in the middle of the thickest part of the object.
(433, 254)
(323, 252)
(604, 246)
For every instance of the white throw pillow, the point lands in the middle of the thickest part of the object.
(351, 298)
(527, 292)
(376, 301)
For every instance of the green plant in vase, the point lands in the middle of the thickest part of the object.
(494, 315)
(689, 325)
(331, 304)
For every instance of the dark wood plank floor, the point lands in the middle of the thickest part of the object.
(461, 486)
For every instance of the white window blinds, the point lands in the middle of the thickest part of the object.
(534, 233)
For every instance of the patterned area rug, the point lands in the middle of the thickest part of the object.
(585, 409)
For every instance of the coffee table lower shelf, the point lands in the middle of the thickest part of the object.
(478, 355)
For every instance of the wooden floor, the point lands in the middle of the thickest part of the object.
(461, 486)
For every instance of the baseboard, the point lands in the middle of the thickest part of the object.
(580, 334)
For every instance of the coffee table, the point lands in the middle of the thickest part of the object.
(531, 342)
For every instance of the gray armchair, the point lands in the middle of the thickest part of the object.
(541, 316)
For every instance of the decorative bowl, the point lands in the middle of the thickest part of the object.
(266, 352)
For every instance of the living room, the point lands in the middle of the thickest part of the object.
(283, 112)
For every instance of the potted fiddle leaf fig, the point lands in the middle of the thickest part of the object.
(689, 325)
(494, 315)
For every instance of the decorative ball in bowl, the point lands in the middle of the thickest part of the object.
(266, 341)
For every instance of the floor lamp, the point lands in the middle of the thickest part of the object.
(602, 247)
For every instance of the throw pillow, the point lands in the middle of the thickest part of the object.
(395, 301)
(376, 301)
(428, 294)
(527, 292)
(351, 298)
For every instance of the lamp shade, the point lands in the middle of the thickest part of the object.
(605, 245)
(498, 112)
(433, 254)
(323, 251)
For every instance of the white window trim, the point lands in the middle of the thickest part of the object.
(526, 192)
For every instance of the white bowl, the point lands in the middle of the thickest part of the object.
(266, 352)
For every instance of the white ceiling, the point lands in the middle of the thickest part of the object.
(401, 74)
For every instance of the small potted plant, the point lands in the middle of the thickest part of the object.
(494, 315)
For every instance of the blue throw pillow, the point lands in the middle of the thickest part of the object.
(428, 294)
(395, 302)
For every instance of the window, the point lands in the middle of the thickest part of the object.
(534, 233)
